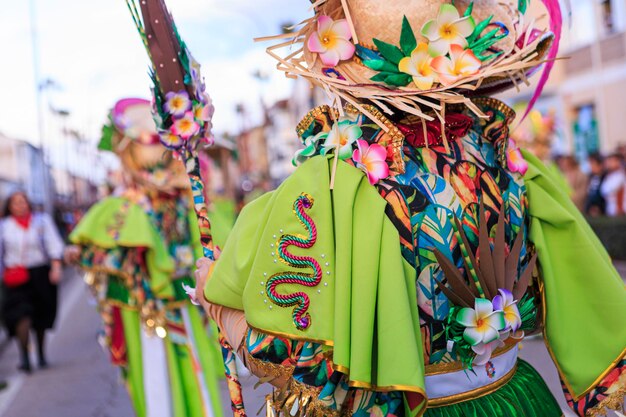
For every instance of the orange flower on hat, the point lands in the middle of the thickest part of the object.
(448, 29)
(462, 63)
(418, 66)
(331, 41)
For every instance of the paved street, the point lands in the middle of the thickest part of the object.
(81, 383)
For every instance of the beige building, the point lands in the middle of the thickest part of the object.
(22, 167)
(587, 89)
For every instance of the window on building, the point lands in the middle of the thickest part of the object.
(612, 15)
(586, 135)
(582, 29)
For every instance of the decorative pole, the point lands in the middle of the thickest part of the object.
(183, 111)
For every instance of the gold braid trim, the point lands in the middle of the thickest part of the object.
(296, 399)
(314, 114)
(269, 369)
(615, 401)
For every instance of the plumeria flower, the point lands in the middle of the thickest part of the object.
(484, 351)
(202, 112)
(170, 140)
(342, 135)
(504, 302)
(418, 65)
(447, 29)
(372, 160)
(177, 104)
(310, 147)
(331, 41)
(482, 324)
(462, 63)
(186, 126)
(515, 160)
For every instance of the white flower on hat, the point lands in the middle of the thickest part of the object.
(447, 29)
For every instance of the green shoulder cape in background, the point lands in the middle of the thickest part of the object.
(585, 298)
(364, 304)
(117, 222)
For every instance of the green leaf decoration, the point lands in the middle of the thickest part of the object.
(522, 5)
(382, 76)
(485, 42)
(388, 51)
(399, 80)
(381, 65)
(479, 29)
(408, 43)
(470, 9)
(106, 140)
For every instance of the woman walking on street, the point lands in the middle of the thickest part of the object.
(30, 267)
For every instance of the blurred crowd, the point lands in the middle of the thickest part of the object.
(601, 190)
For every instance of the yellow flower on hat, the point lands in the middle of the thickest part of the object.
(331, 41)
(462, 63)
(447, 29)
(418, 66)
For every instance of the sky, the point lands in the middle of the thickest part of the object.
(93, 54)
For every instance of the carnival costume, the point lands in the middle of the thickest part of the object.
(396, 271)
(138, 248)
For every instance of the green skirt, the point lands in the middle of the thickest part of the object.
(525, 395)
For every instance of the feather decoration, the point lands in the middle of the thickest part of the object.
(493, 270)
(556, 22)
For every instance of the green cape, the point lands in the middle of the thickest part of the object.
(364, 305)
(117, 222)
(585, 298)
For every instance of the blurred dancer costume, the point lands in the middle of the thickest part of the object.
(397, 270)
(139, 248)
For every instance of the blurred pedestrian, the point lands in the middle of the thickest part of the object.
(576, 179)
(614, 185)
(30, 265)
(595, 205)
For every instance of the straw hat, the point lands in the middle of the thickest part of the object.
(131, 134)
(415, 56)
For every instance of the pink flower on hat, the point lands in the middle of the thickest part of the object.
(331, 41)
(372, 160)
(462, 63)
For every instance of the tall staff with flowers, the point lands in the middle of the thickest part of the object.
(182, 111)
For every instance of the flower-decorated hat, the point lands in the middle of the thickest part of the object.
(416, 56)
(132, 135)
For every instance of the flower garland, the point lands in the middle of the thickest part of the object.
(184, 116)
(344, 134)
